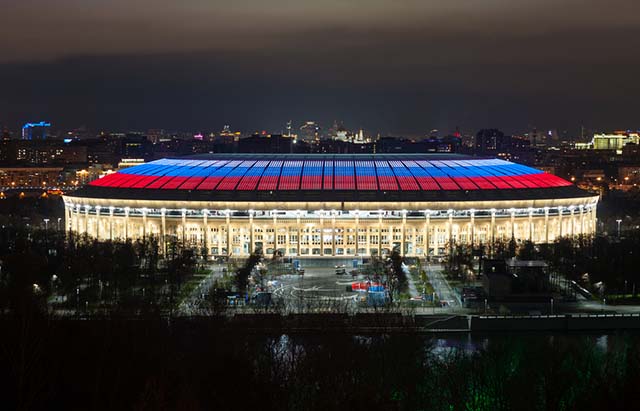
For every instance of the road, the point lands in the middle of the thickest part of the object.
(191, 304)
(443, 290)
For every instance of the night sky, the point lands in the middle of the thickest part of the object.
(401, 66)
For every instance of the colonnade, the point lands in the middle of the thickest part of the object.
(332, 233)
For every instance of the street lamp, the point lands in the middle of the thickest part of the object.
(618, 221)
(53, 283)
(46, 233)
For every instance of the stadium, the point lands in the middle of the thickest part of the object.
(330, 205)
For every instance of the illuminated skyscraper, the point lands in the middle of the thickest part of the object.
(37, 131)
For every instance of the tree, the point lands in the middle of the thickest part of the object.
(242, 274)
(397, 264)
(181, 264)
(527, 251)
(459, 261)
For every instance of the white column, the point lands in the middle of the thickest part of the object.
(380, 234)
(321, 233)
(530, 221)
(493, 230)
(67, 217)
(367, 240)
(403, 233)
(251, 230)
(560, 231)
(357, 233)
(126, 223)
(205, 230)
(492, 227)
(78, 218)
(513, 224)
(572, 222)
(333, 234)
(581, 219)
(275, 230)
(286, 237)
(546, 224)
(144, 224)
(299, 231)
(111, 223)
(98, 222)
(427, 227)
(450, 229)
(86, 219)
(229, 245)
(163, 228)
(473, 227)
(436, 238)
(220, 239)
(184, 227)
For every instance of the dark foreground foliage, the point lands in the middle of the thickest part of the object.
(148, 364)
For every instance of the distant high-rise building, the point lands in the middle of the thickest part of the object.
(135, 145)
(155, 135)
(310, 132)
(35, 131)
(489, 141)
(614, 141)
(541, 139)
(288, 129)
(227, 136)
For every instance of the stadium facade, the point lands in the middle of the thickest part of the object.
(330, 205)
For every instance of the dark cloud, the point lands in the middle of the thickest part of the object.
(402, 66)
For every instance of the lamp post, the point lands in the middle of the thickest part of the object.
(433, 300)
(46, 232)
(618, 221)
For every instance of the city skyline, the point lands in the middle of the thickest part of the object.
(295, 128)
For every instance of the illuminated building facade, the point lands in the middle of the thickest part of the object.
(615, 141)
(331, 205)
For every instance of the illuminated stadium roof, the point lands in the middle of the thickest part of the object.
(275, 177)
